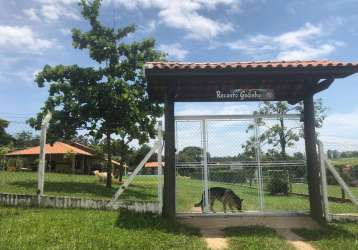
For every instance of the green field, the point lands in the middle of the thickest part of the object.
(34, 228)
(84, 186)
(345, 161)
(188, 191)
(91, 229)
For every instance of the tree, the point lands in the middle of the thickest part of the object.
(279, 135)
(26, 139)
(190, 154)
(106, 100)
(5, 138)
(137, 156)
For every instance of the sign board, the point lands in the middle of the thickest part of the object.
(246, 95)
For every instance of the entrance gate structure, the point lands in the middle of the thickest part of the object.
(292, 81)
(225, 151)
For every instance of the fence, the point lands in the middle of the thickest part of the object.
(339, 182)
(70, 180)
(240, 153)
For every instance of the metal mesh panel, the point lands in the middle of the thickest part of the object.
(245, 156)
(228, 165)
(189, 167)
(283, 165)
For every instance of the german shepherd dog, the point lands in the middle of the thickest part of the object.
(225, 195)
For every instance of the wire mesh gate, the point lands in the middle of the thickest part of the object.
(229, 153)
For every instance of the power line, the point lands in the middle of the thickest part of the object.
(10, 113)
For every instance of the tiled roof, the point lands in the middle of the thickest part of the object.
(248, 65)
(152, 164)
(56, 148)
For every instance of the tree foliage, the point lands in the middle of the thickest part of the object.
(279, 135)
(5, 138)
(106, 100)
(190, 154)
(26, 139)
(137, 156)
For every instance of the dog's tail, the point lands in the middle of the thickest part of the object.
(199, 204)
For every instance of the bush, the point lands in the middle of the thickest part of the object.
(14, 164)
(277, 185)
(228, 176)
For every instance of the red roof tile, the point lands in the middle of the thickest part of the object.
(248, 65)
(56, 148)
(152, 164)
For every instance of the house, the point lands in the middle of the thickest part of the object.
(62, 158)
(152, 167)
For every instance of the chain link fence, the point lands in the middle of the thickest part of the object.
(241, 157)
(79, 180)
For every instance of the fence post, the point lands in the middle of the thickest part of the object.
(205, 163)
(323, 182)
(160, 164)
(42, 160)
(259, 170)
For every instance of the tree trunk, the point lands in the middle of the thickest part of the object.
(109, 161)
(120, 173)
(282, 139)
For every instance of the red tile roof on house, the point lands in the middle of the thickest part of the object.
(56, 148)
(248, 65)
(152, 164)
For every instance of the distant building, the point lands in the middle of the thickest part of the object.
(152, 167)
(62, 158)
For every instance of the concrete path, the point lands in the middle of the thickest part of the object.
(211, 227)
(295, 240)
(215, 238)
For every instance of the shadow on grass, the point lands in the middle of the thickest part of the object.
(6, 212)
(328, 232)
(141, 221)
(63, 187)
(141, 194)
(93, 189)
(249, 231)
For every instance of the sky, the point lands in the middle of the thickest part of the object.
(34, 33)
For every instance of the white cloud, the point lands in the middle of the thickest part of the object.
(23, 39)
(339, 131)
(31, 14)
(65, 32)
(53, 10)
(213, 108)
(300, 44)
(152, 24)
(174, 50)
(186, 15)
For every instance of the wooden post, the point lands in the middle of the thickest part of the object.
(169, 169)
(312, 159)
(42, 156)
(82, 164)
(73, 164)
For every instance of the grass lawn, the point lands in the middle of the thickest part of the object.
(333, 190)
(189, 192)
(91, 229)
(255, 237)
(84, 186)
(334, 236)
(345, 161)
(145, 188)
